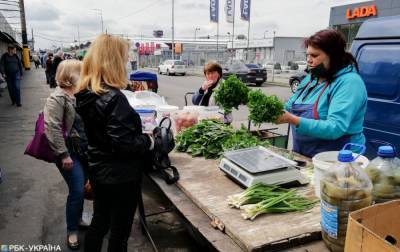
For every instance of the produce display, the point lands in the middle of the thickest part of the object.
(264, 108)
(259, 199)
(184, 119)
(210, 138)
(243, 139)
(231, 93)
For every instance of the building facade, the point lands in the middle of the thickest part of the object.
(348, 18)
(277, 49)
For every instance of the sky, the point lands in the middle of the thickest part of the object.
(56, 22)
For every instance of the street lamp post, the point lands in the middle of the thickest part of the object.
(273, 56)
(195, 32)
(265, 32)
(173, 32)
(100, 11)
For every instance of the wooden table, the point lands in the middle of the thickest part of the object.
(200, 196)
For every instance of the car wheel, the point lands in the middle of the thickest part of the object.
(183, 74)
(168, 73)
(258, 84)
(159, 71)
(294, 85)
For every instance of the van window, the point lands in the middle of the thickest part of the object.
(380, 69)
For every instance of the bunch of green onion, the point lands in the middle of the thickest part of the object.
(260, 198)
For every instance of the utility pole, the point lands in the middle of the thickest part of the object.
(173, 32)
(79, 38)
(100, 11)
(233, 25)
(195, 33)
(33, 41)
(248, 41)
(25, 49)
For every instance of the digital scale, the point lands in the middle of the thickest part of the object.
(260, 165)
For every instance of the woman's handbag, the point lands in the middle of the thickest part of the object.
(39, 146)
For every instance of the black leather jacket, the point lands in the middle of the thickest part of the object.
(114, 131)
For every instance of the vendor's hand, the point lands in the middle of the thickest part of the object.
(207, 84)
(67, 163)
(288, 118)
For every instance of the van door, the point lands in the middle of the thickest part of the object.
(379, 64)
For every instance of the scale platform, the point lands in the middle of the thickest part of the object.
(260, 165)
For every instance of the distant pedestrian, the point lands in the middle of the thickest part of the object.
(11, 69)
(56, 61)
(36, 60)
(49, 64)
(60, 117)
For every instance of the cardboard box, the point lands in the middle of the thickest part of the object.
(375, 228)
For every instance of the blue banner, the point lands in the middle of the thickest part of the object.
(214, 11)
(245, 9)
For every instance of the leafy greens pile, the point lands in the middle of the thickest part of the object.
(264, 108)
(210, 138)
(231, 93)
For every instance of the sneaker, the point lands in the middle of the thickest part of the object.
(72, 241)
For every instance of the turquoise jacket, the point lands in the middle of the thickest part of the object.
(341, 107)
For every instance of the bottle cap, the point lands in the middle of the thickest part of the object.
(345, 156)
(386, 151)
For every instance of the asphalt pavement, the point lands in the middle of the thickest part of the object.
(33, 193)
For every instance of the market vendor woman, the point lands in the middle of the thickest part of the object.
(327, 111)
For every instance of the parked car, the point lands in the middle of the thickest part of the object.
(302, 65)
(295, 80)
(248, 73)
(172, 67)
(376, 48)
(269, 65)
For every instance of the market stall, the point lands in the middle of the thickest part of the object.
(201, 196)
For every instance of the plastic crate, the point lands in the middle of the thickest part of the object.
(276, 139)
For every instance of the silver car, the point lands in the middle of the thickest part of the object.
(174, 67)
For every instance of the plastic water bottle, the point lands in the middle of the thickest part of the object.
(345, 187)
(384, 172)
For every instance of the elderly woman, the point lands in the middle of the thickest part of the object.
(65, 134)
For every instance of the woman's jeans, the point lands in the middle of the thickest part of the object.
(114, 207)
(75, 179)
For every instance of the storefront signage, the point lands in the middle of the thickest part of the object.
(360, 12)
(253, 43)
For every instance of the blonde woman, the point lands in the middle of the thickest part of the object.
(61, 119)
(116, 143)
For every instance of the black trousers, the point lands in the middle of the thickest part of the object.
(114, 209)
